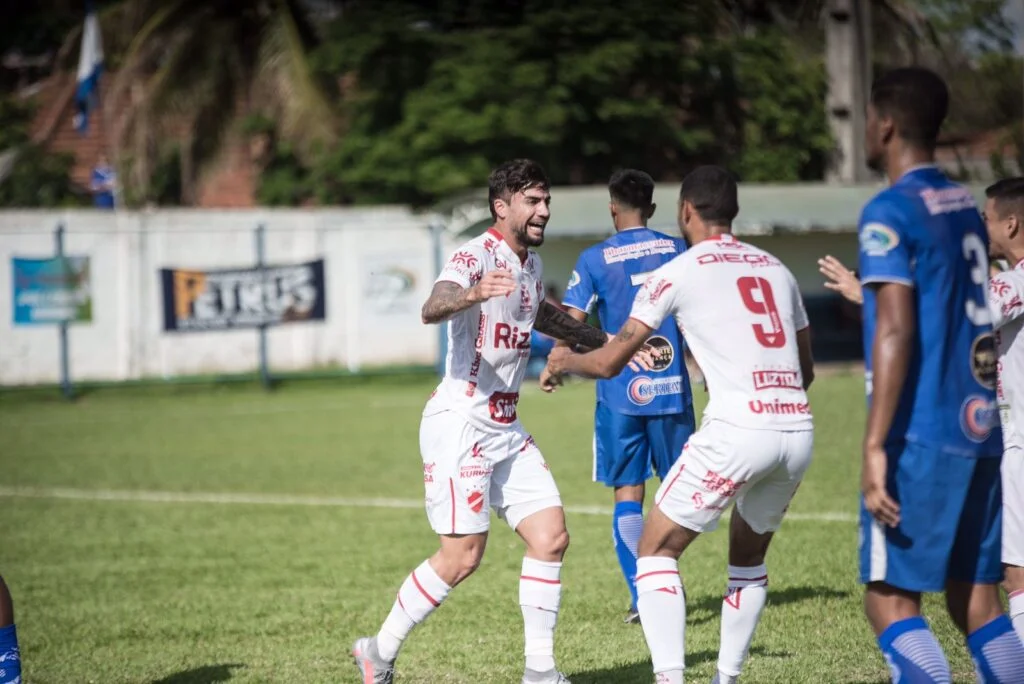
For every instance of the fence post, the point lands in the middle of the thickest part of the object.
(65, 373)
(262, 331)
(437, 238)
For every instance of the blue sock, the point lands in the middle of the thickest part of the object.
(627, 524)
(997, 651)
(913, 654)
(10, 659)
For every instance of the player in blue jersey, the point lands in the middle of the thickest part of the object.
(642, 419)
(931, 492)
(10, 657)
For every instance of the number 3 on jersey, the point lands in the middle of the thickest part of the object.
(977, 255)
(758, 298)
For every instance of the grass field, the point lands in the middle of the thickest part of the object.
(187, 535)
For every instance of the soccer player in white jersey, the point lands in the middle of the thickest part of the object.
(742, 317)
(1004, 218)
(476, 454)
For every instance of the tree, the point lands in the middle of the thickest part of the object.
(193, 66)
(433, 102)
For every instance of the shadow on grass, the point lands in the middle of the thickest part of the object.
(208, 674)
(709, 606)
(641, 672)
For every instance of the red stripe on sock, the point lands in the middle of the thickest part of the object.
(657, 572)
(424, 591)
(539, 579)
(400, 604)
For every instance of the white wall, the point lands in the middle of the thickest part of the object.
(125, 339)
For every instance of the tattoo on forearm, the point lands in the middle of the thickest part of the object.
(445, 300)
(554, 322)
(627, 333)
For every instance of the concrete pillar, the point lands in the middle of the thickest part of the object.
(848, 55)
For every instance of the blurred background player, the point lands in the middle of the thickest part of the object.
(931, 493)
(743, 319)
(642, 419)
(476, 454)
(10, 656)
(1004, 219)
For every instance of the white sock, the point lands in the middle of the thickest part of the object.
(741, 610)
(662, 607)
(540, 593)
(420, 593)
(1017, 612)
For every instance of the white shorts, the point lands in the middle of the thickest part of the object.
(1013, 505)
(721, 463)
(467, 471)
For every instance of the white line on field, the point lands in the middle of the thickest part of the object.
(149, 496)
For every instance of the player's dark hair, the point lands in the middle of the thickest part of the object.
(514, 176)
(633, 189)
(1008, 194)
(713, 193)
(917, 99)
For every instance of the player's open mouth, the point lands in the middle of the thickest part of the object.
(538, 226)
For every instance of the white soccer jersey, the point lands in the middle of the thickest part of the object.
(739, 309)
(489, 343)
(1006, 302)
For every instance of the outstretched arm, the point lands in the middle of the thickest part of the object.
(556, 323)
(606, 362)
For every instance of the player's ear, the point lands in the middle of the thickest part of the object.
(650, 212)
(886, 128)
(612, 210)
(500, 208)
(1012, 225)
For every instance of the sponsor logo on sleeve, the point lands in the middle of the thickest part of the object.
(878, 239)
(574, 280)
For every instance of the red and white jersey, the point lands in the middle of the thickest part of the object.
(739, 310)
(1006, 303)
(489, 343)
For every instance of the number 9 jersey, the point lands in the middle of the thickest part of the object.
(739, 309)
(925, 232)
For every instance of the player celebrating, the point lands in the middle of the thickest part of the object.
(742, 317)
(476, 454)
(1004, 219)
(931, 496)
(641, 419)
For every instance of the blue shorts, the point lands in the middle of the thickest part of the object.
(629, 449)
(950, 522)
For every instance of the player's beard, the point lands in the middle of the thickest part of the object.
(523, 237)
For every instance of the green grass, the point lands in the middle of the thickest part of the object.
(186, 592)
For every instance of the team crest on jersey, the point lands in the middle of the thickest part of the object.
(984, 360)
(878, 239)
(978, 417)
(574, 280)
(663, 352)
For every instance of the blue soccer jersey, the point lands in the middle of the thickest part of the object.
(925, 231)
(608, 275)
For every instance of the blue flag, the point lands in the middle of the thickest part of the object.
(90, 66)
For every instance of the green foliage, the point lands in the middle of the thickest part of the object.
(786, 135)
(585, 88)
(285, 181)
(40, 179)
(15, 118)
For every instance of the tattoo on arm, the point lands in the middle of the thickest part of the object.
(554, 322)
(445, 300)
(627, 333)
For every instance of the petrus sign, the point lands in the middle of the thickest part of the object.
(225, 299)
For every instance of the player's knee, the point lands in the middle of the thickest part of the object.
(1013, 580)
(550, 544)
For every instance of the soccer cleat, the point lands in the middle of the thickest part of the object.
(549, 677)
(632, 616)
(373, 668)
